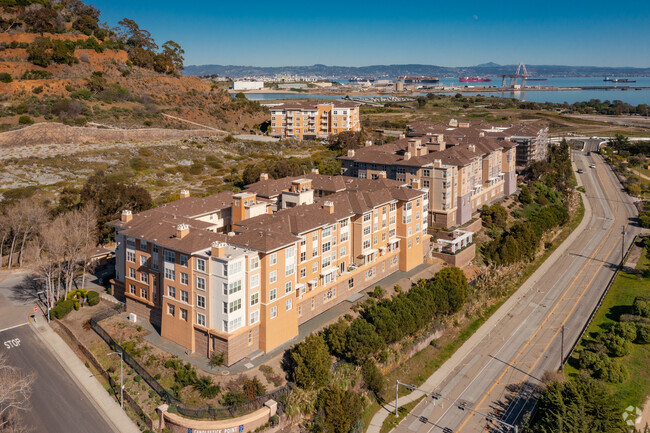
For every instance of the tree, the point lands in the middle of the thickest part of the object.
(525, 196)
(338, 410)
(362, 341)
(96, 82)
(334, 336)
(15, 393)
(372, 377)
(175, 53)
(253, 388)
(347, 140)
(136, 37)
(576, 406)
(41, 19)
(312, 362)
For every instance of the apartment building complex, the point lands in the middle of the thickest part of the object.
(531, 138)
(238, 273)
(311, 120)
(461, 174)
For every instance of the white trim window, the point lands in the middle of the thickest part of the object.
(200, 283)
(288, 304)
(200, 319)
(274, 312)
(200, 301)
(255, 299)
(200, 265)
(255, 317)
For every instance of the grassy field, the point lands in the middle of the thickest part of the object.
(618, 301)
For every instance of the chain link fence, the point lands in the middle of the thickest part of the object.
(176, 405)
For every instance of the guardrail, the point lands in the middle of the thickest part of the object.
(176, 405)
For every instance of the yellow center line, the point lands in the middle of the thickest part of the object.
(466, 420)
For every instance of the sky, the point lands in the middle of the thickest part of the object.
(360, 33)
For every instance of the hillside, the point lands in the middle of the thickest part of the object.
(59, 64)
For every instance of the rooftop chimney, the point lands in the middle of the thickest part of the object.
(481, 134)
(415, 183)
(218, 249)
(382, 174)
(472, 148)
(182, 230)
(315, 171)
(264, 176)
(185, 193)
(350, 152)
(368, 143)
(407, 156)
(329, 206)
(127, 216)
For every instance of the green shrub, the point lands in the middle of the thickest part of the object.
(275, 420)
(36, 74)
(378, 292)
(84, 94)
(186, 375)
(233, 398)
(217, 359)
(626, 330)
(62, 308)
(206, 388)
(642, 333)
(641, 306)
(372, 377)
(5, 77)
(93, 298)
(25, 120)
(617, 346)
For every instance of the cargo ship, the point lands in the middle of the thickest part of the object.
(361, 80)
(419, 80)
(619, 80)
(474, 80)
(536, 79)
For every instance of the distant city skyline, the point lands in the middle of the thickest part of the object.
(293, 33)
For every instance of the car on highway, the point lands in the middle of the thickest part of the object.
(580, 171)
(592, 166)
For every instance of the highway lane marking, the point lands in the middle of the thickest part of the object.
(551, 312)
(13, 327)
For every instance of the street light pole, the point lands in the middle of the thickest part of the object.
(47, 302)
(121, 376)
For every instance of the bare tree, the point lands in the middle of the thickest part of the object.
(5, 231)
(25, 218)
(88, 229)
(15, 391)
(49, 250)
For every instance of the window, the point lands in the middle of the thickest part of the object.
(132, 273)
(273, 277)
(273, 294)
(331, 293)
(184, 314)
(376, 240)
(171, 291)
(255, 262)
(170, 274)
(344, 223)
(303, 241)
(326, 247)
(200, 319)
(143, 245)
(274, 312)
(255, 299)
(143, 277)
(426, 173)
(132, 289)
(171, 309)
(393, 206)
(183, 260)
(184, 296)
(184, 278)
(303, 273)
(343, 251)
(225, 308)
(366, 244)
(367, 217)
(200, 265)
(200, 283)
(255, 281)
(326, 262)
(169, 256)
(154, 248)
(344, 236)
(312, 303)
(130, 256)
(255, 317)
(350, 283)
(425, 183)
(234, 268)
(287, 287)
(234, 306)
(288, 304)
(327, 232)
(303, 256)
(366, 230)
(289, 253)
(288, 270)
(273, 259)
(314, 267)
(143, 261)
(200, 301)
(234, 287)
(392, 220)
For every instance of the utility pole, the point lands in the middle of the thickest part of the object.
(623, 247)
(562, 350)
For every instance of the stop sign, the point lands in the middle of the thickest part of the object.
(35, 308)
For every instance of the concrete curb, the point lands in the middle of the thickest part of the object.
(107, 407)
(453, 362)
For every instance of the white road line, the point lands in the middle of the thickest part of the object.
(15, 326)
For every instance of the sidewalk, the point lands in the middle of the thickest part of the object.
(454, 361)
(107, 407)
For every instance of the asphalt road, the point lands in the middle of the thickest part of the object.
(58, 404)
(499, 376)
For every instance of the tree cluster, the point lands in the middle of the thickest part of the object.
(143, 50)
(45, 51)
(575, 406)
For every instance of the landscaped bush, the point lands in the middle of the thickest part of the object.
(93, 298)
(62, 308)
(5, 77)
(217, 359)
(206, 388)
(626, 330)
(602, 366)
(643, 333)
(617, 346)
(641, 307)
